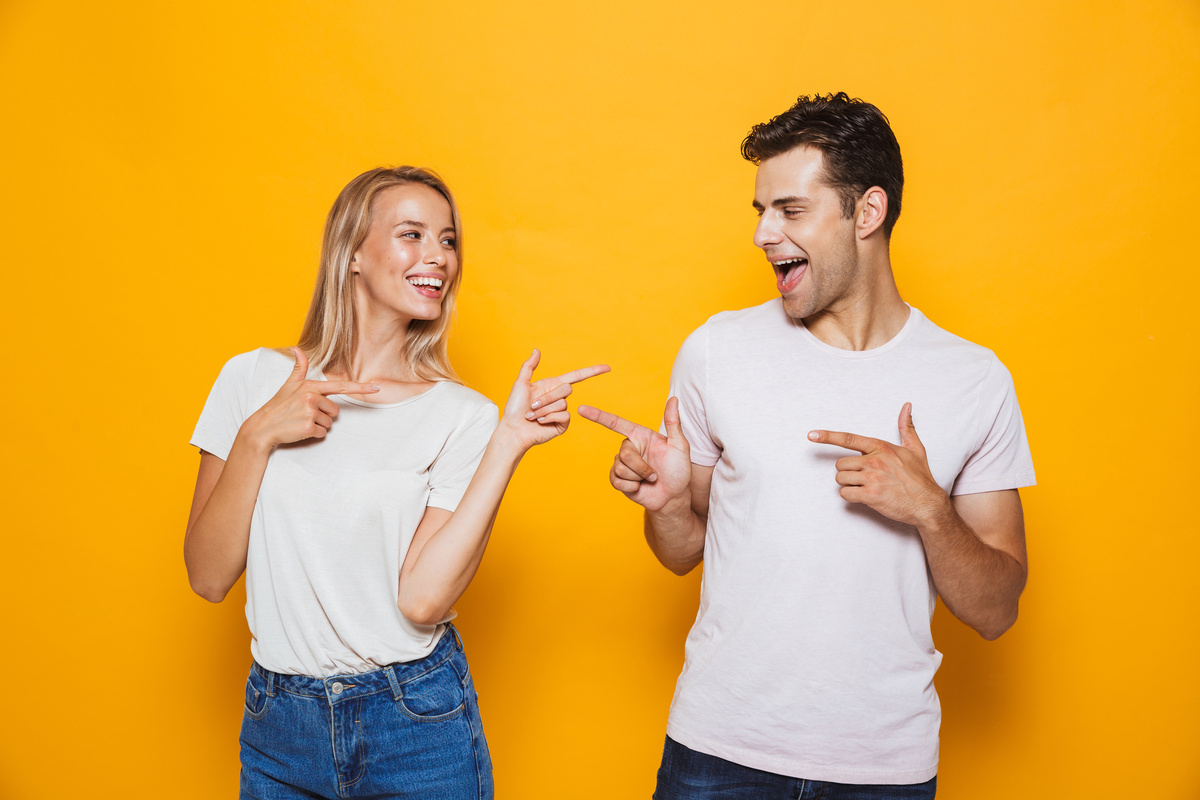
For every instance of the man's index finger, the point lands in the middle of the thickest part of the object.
(610, 421)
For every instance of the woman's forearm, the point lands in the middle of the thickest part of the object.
(441, 563)
(214, 548)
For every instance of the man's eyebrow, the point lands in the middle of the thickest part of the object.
(792, 200)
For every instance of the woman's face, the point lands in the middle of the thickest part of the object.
(407, 260)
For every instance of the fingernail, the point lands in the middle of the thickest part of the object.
(653, 477)
(541, 419)
(535, 404)
(529, 415)
(374, 387)
(813, 435)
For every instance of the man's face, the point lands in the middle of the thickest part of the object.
(801, 228)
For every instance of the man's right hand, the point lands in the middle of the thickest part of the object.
(650, 469)
(301, 409)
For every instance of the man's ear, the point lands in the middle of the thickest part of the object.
(870, 212)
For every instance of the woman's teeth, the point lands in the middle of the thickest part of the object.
(435, 283)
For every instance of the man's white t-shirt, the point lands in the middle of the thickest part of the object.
(335, 516)
(811, 654)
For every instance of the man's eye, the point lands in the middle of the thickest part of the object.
(792, 213)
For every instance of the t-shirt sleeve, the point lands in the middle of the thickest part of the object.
(226, 408)
(1001, 459)
(689, 383)
(452, 470)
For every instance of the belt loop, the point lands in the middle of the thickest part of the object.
(270, 682)
(397, 693)
(457, 638)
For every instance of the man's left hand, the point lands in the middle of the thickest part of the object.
(893, 480)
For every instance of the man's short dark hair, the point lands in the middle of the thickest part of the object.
(857, 144)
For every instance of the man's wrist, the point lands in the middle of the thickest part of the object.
(677, 508)
(937, 515)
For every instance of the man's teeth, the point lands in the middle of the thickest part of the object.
(436, 283)
(791, 262)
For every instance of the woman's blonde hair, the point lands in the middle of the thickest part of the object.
(330, 332)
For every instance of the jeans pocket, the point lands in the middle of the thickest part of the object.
(257, 698)
(437, 695)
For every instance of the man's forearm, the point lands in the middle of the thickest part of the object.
(981, 585)
(676, 535)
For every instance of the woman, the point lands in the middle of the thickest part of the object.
(356, 482)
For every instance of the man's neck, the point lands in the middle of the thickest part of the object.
(869, 318)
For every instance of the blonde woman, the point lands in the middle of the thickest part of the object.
(355, 481)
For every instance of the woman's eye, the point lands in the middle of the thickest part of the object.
(410, 235)
(448, 242)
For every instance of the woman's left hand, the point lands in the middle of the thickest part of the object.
(536, 411)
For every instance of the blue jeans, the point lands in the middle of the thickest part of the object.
(409, 730)
(688, 775)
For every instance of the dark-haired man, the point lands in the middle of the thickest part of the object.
(792, 467)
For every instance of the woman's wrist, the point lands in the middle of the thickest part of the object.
(508, 444)
(251, 438)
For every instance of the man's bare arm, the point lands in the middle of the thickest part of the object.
(656, 472)
(976, 552)
(675, 533)
(975, 543)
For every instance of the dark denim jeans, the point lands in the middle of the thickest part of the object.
(688, 775)
(409, 730)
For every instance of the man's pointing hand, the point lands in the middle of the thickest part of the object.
(893, 480)
(650, 469)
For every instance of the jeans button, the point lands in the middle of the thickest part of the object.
(336, 688)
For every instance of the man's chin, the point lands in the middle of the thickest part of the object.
(797, 307)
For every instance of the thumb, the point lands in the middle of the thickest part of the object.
(908, 431)
(300, 370)
(526, 373)
(671, 419)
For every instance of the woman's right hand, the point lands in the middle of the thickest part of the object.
(301, 409)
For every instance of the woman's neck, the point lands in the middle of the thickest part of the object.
(380, 357)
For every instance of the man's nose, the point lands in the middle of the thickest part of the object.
(767, 233)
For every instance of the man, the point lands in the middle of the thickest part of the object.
(792, 466)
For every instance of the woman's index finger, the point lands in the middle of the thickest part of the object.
(344, 387)
(577, 375)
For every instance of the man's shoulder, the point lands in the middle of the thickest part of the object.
(929, 336)
(764, 316)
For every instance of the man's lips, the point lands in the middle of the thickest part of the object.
(788, 273)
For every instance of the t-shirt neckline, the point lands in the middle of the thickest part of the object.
(914, 316)
(319, 375)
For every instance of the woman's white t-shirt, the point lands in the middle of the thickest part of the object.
(335, 516)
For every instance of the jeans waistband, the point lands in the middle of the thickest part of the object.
(339, 688)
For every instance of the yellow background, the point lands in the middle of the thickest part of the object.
(166, 174)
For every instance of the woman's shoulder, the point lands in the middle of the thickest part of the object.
(255, 367)
(463, 398)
